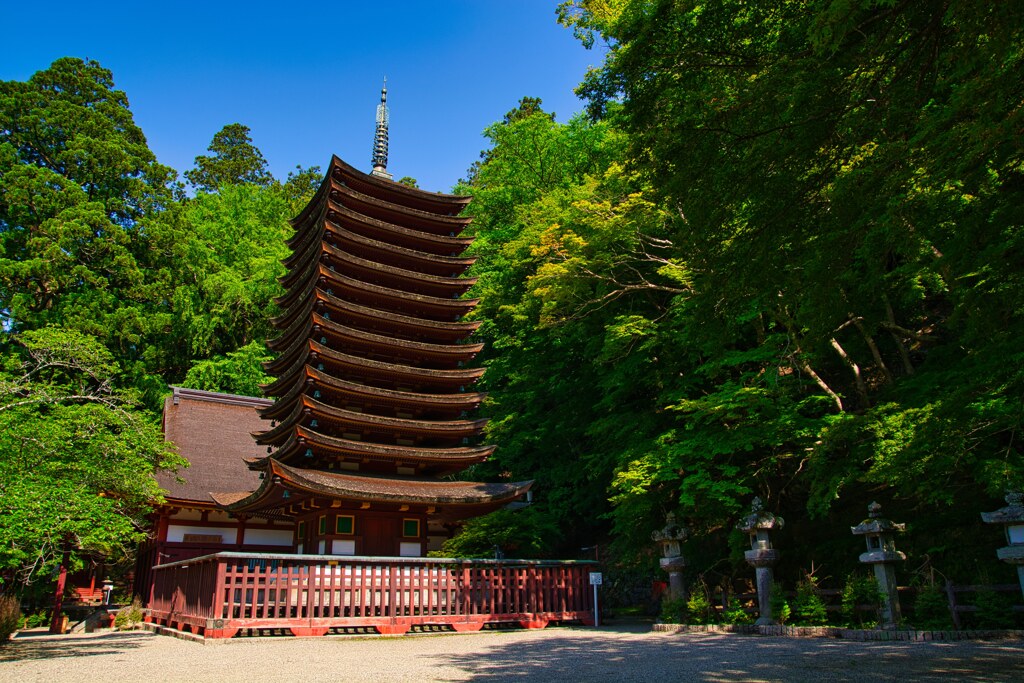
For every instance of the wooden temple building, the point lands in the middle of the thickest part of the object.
(316, 510)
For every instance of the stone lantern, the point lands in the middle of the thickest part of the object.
(882, 554)
(1012, 519)
(762, 556)
(672, 561)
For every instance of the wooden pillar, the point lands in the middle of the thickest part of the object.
(240, 531)
(58, 596)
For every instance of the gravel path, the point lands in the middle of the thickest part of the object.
(622, 653)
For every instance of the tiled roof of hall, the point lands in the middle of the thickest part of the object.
(309, 406)
(279, 476)
(213, 431)
(459, 401)
(453, 377)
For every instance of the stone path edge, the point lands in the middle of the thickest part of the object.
(843, 633)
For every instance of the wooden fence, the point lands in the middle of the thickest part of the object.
(222, 594)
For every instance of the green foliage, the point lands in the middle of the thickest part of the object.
(81, 245)
(699, 609)
(76, 455)
(853, 290)
(234, 161)
(239, 372)
(230, 260)
(129, 618)
(781, 610)
(859, 592)
(521, 534)
(673, 611)
(994, 610)
(736, 614)
(808, 607)
(931, 609)
(10, 616)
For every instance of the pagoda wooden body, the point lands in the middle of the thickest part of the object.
(329, 528)
(374, 387)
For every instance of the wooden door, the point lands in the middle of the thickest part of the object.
(380, 536)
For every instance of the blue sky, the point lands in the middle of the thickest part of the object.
(306, 77)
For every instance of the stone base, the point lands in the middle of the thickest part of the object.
(843, 633)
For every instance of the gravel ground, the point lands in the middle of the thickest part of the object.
(617, 653)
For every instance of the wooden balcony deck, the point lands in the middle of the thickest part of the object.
(221, 595)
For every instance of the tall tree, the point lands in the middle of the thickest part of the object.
(847, 184)
(234, 160)
(80, 198)
(76, 456)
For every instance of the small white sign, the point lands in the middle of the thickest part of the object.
(595, 578)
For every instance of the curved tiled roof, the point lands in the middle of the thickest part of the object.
(435, 201)
(425, 221)
(368, 367)
(367, 421)
(355, 338)
(425, 241)
(279, 477)
(362, 392)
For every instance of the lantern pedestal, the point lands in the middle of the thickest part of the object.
(1012, 518)
(759, 524)
(882, 555)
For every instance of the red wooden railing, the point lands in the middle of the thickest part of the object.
(221, 594)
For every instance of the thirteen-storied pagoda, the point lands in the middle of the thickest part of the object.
(374, 391)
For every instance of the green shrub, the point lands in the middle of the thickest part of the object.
(994, 610)
(672, 611)
(808, 608)
(931, 609)
(735, 614)
(861, 590)
(10, 616)
(129, 618)
(699, 609)
(781, 611)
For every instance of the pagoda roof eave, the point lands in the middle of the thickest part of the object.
(292, 344)
(461, 401)
(454, 200)
(452, 377)
(452, 428)
(279, 477)
(437, 260)
(447, 242)
(434, 223)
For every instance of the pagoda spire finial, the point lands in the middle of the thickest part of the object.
(380, 137)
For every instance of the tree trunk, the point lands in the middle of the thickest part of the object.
(862, 389)
(870, 341)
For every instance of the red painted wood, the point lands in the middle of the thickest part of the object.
(218, 595)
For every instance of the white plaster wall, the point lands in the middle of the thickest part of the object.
(340, 547)
(406, 549)
(176, 532)
(268, 536)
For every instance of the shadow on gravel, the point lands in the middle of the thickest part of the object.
(627, 655)
(71, 646)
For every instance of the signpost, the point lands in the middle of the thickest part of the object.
(595, 581)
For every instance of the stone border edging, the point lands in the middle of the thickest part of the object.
(843, 633)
